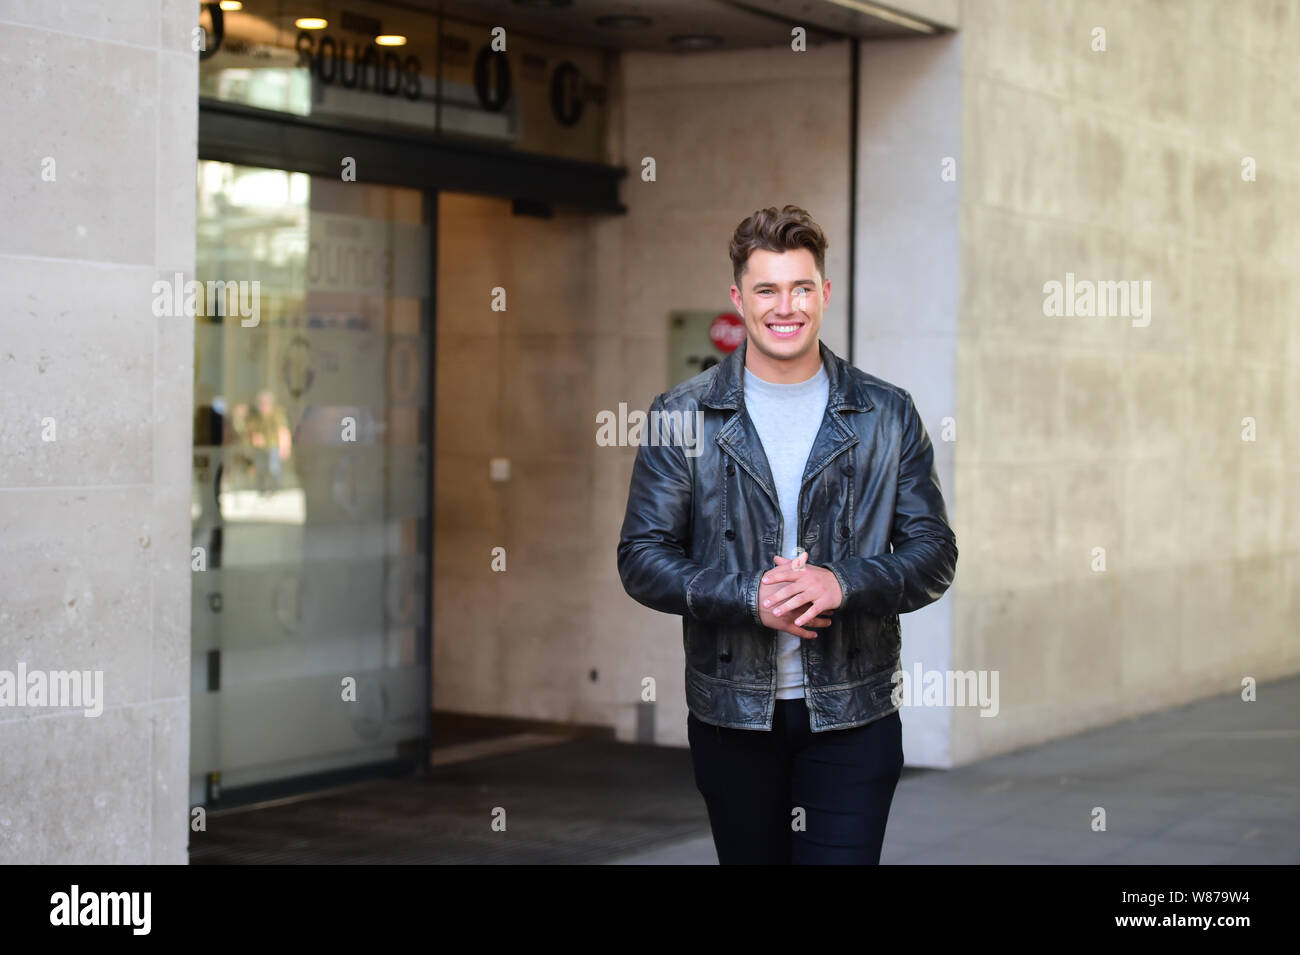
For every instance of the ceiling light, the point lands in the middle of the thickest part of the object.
(695, 41)
(230, 6)
(310, 23)
(390, 39)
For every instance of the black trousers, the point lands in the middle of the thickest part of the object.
(754, 782)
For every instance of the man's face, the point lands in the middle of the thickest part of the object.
(781, 300)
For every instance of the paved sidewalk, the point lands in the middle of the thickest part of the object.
(1216, 782)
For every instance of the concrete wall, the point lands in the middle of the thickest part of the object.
(905, 330)
(1077, 433)
(1071, 433)
(515, 384)
(587, 328)
(95, 524)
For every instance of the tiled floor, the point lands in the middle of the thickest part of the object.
(1214, 782)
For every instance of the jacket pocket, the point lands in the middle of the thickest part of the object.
(876, 644)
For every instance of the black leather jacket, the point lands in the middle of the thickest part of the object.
(703, 521)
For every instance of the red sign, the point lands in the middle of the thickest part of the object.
(727, 332)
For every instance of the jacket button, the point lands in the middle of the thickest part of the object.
(724, 657)
(844, 530)
(848, 469)
(731, 469)
(729, 534)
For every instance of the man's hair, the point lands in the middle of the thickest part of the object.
(791, 228)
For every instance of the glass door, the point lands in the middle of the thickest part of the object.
(310, 478)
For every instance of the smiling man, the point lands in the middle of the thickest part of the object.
(809, 517)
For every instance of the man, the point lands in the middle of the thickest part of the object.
(795, 737)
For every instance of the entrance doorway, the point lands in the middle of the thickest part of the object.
(310, 493)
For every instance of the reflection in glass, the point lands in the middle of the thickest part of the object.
(310, 473)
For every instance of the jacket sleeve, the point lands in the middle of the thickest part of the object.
(924, 556)
(653, 546)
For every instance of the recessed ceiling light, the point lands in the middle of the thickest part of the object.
(310, 23)
(391, 39)
(230, 6)
(623, 21)
(695, 41)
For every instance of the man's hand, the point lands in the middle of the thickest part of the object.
(797, 593)
(766, 592)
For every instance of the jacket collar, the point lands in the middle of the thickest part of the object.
(728, 387)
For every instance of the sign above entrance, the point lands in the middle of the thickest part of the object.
(405, 68)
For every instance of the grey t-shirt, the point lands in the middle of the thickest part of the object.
(787, 418)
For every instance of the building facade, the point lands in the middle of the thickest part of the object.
(308, 336)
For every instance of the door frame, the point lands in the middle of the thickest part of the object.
(248, 136)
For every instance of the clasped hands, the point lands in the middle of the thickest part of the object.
(794, 596)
